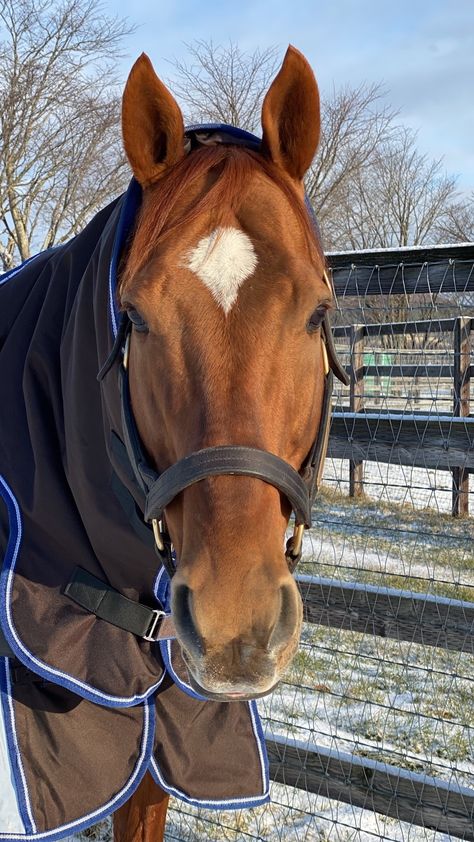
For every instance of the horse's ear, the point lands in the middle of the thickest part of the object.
(152, 123)
(290, 116)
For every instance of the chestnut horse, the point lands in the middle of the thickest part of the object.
(224, 282)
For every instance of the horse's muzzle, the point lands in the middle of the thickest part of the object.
(246, 661)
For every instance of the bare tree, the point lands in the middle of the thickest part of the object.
(354, 124)
(222, 84)
(457, 224)
(60, 148)
(401, 199)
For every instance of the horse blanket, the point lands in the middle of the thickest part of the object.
(86, 707)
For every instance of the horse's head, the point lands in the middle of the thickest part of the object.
(224, 281)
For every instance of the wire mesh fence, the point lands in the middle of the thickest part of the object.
(371, 735)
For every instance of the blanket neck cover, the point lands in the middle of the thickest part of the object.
(87, 708)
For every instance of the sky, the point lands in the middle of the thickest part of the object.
(421, 50)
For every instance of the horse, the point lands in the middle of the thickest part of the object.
(168, 382)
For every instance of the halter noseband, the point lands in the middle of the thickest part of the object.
(299, 487)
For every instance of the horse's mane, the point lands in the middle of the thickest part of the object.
(233, 167)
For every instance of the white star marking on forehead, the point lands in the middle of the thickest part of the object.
(222, 261)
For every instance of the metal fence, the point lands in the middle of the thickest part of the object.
(371, 735)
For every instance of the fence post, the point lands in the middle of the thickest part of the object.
(356, 401)
(461, 406)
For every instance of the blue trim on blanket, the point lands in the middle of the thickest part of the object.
(262, 746)
(16, 765)
(239, 134)
(131, 202)
(165, 649)
(86, 691)
(143, 764)
(162, 590)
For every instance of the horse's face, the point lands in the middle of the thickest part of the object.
(230, 285)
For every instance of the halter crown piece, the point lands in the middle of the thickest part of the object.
(159, 490)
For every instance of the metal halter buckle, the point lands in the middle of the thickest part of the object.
(154, 624)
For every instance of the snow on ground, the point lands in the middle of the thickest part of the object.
(418, 487)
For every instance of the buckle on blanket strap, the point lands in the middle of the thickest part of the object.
(156, 619)
(99, 598)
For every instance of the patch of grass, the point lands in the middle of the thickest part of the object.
(363, 507)
(391, 545)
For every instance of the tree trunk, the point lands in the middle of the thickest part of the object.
(143, 817)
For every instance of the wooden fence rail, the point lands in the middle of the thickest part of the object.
(405, 271)
(372, 785)
(425, 441)
(423, 326)
(388, 612)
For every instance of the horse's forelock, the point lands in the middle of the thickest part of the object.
(233, 167)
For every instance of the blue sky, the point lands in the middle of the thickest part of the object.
(422, 50)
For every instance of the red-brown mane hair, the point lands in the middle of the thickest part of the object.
(233, 167)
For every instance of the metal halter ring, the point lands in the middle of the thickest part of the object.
(126, 352)
(157, 532)
(297, 540)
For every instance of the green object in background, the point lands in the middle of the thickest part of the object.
(380, 385)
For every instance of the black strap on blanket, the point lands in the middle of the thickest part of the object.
(105, 602)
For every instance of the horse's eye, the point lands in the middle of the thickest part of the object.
(138, 322)
(316, 319)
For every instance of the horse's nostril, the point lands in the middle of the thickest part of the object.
(184, 621)
(289, 621)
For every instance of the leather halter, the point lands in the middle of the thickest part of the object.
(299, 487)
